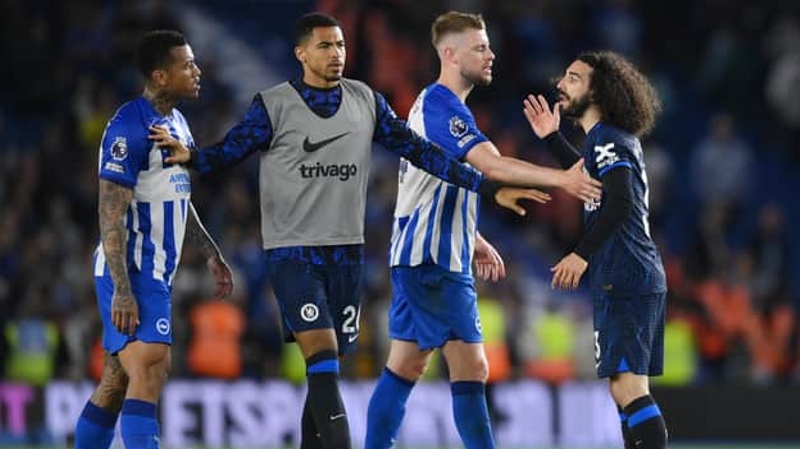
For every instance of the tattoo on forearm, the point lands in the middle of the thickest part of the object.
(197, 235)
(113, 203)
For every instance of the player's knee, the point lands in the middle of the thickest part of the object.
(626, 387)
(149, 367)
(476, 370)
(154, 373)
(315, 341)
(412, 370)
(166, 368)
(409, 364)
(409, 367)
(481, 370)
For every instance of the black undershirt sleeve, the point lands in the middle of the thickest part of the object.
(561, 149)
(617, 204)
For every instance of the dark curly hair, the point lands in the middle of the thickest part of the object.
(625, 97)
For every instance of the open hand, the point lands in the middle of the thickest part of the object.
(124, 312)
(567, 273)
(488, 263)
(508, 197)
(579, 184)
(542, 120)
(179, 154)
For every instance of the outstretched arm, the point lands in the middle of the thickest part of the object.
(251, 134)
(197, 235)
(487, 158)
(396, 136)
(113, 202)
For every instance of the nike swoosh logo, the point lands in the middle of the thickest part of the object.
(310, 147)
(335, 417)
(352, 338)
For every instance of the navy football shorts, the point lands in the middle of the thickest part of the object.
(318, 297)
(629, 334)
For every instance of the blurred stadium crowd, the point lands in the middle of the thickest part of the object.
(724, 167)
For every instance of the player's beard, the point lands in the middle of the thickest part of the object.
(576, 108)
(327, 75)
(333, 76)
(477, 78)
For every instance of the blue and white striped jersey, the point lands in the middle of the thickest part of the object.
(435, 221)
(156, 218)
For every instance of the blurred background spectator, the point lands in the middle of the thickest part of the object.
(724, 165)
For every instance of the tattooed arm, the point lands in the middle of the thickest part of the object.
(197, 235)
(113, 203)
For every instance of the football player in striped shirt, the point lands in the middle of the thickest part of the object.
(435, 242)
(615, 105)
(314, 136)
(145, 211)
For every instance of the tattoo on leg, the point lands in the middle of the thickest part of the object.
(110, 393)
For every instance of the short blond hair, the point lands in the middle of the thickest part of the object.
(454, 22)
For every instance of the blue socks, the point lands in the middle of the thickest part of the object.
(138, 424)
(95, 428)
(472, 415)
(388, 406)
(386, 410)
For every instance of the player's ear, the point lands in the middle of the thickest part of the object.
(449, 53)
(300, 54)
(159, 77)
